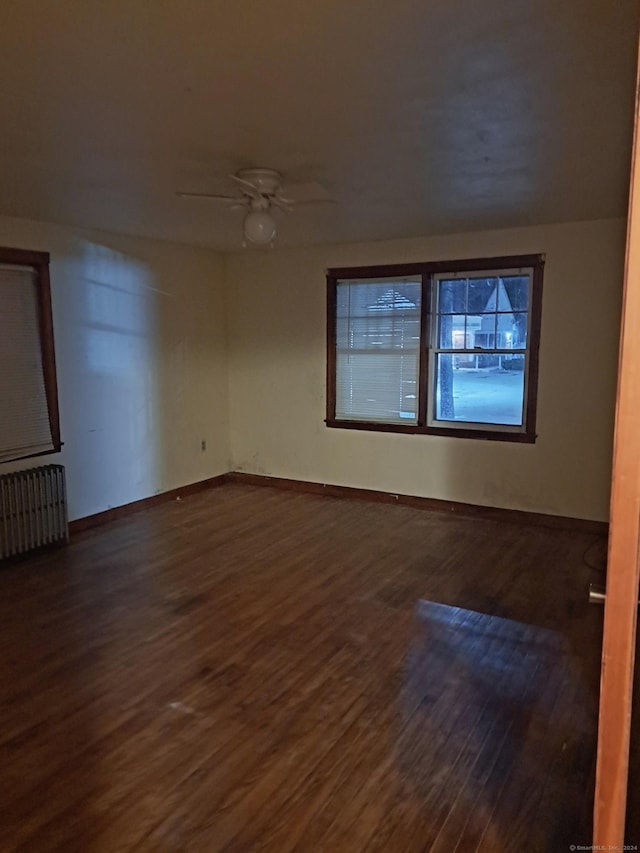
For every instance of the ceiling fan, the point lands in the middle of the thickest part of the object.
(260, 191)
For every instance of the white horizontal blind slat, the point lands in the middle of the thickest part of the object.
(378, 350)
(24, 419)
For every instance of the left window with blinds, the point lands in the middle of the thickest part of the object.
(29, 419)
(378, 349)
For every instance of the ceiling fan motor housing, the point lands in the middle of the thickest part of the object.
(265, 181)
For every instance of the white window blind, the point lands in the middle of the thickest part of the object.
(24, 415)
(378, 350)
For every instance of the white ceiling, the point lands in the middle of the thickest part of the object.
(418, 117)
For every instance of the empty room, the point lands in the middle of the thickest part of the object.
(319, 426)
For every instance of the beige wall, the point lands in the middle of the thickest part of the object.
(277, 376)
(144, 374)
(142, 365)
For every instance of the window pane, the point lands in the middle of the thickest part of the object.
(378, 350)
(453, 331)
(376, 387)
(515, 293)
(485, 336)
(520, 330)
(482, 295)
(452, 296)
(483, 388)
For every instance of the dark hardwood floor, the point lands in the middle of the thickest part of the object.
(252, 669)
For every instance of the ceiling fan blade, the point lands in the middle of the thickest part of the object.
(285, 204)
(229, 199)
(246, 185)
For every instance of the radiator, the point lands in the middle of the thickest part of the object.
(33, 509)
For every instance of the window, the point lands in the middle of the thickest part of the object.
(446, 348)
(29, 424)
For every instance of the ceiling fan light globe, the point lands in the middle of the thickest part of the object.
(259, 227)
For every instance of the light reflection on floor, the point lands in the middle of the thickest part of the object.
(492, 731)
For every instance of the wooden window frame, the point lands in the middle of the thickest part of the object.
(39, 262)
(427, 270)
